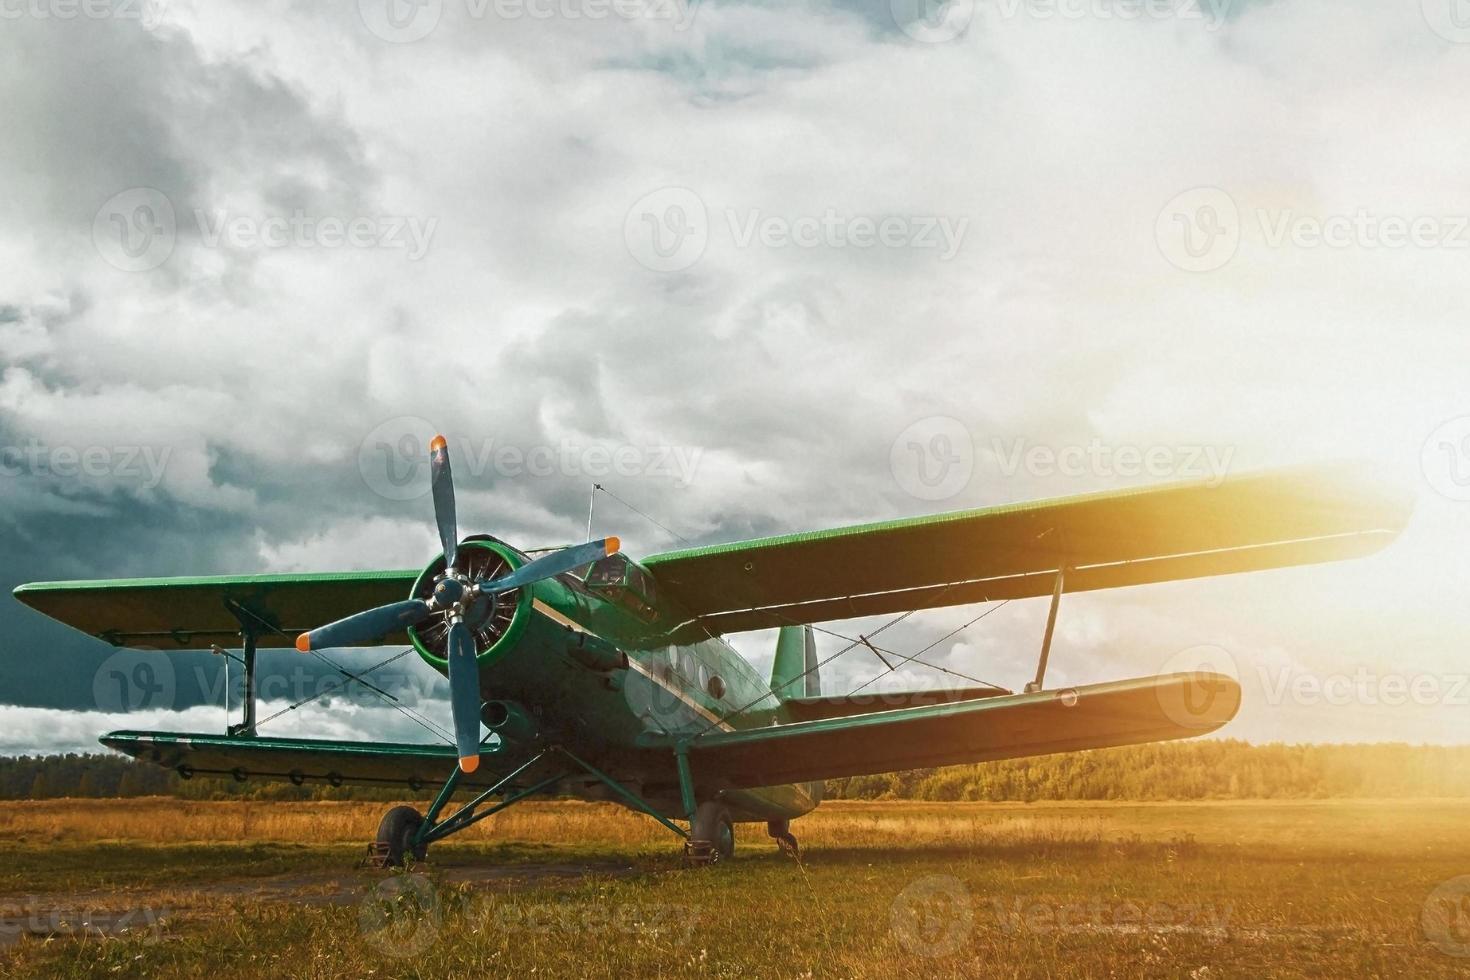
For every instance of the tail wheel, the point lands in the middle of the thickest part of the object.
(712, 836)
(780, 832)
(396, 833)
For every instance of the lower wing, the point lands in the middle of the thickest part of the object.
(1151, 709)
(301, 760)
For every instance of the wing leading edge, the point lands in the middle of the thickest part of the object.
(1104, 540)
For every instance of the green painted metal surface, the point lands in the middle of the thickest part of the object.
(190, 613)
(1149, 709)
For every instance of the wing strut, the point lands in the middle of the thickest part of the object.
(248, 633)
(1051, 625)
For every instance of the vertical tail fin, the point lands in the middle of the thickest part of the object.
(794, 674)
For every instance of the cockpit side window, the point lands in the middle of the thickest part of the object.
(620, 580)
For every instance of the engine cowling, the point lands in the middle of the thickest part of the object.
(495, 623)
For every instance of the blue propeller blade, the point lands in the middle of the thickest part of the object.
(553, 564)
(442, 485)
(367, 627)
(464, 695)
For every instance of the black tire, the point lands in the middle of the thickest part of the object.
(713, 826)
(396, 831)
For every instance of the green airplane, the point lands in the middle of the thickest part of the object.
(599, 677)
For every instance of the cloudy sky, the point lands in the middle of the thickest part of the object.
(734, 260)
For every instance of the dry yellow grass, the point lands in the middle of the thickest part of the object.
(838, 823)
(1329, 888)
(558, 822)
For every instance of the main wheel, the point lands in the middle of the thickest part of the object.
(396, 833)
(713, 832)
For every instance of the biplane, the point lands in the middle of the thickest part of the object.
(581, 672)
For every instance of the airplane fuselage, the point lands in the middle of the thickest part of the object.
(597, 664)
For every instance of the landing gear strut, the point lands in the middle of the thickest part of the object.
(780, 832)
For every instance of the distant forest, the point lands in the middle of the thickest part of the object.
(1213, 770)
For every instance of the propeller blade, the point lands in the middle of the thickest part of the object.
(553, 564)
(464, 695)
(443, 490)
(365, 627)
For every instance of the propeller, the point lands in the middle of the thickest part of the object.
(366, 627)
(455, 596)
(556, 563)
(464, 694)
(441, 484)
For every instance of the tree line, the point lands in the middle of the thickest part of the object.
(1197, 770)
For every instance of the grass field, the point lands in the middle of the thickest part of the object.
(1206, 890)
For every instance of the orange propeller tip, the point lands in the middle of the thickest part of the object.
(303, 642)
(469, 763)
(437, 443)
(614, 545)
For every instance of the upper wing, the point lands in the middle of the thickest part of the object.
(1105, 540)
(1151, 709)
(194, 613)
